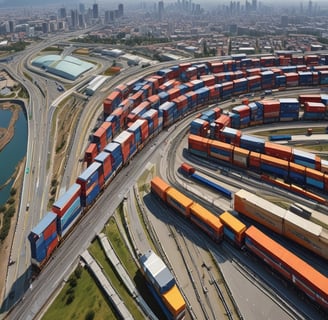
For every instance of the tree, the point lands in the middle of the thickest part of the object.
(90, 315)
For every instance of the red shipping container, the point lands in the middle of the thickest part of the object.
(99, 137)
(107, 126)
(185, 167)
(326, 181)
(302, 98)
(90, 153)
(217, 111)
(209, 80)
(278, 151)
(253, 71)
(153, 100)
(317, 162)
(137, 112)
(254, 159)
(173, 93)
(184, 66)
(123, 89)
(270, 106)
(297, 168)
(217, 67)
(223, 121)
(126, 140)
(198, 143)
(50, 230)
(108, 102)
(53, 245)
(315, 107)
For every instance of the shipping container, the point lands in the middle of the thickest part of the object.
(66, 200)
(220, 150)
(290, 266)
(106, 159)
(206, 221)
(260, 210)
(128, 146)
(90, 153)
(159, 187)
(234, 230)
(178, 201)
(278, 150)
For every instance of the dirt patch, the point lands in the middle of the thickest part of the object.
(68, 116)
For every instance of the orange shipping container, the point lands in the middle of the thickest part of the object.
(179, 201)
(207, 221)
(254, 159)
(159, 187)
(278, 151)
(291, 266)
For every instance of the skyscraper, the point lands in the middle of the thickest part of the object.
(95, 11)
(160, 10)
(120, 10)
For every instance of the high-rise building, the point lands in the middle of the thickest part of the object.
(95, 11)
(62, 13)
(284, 21)
(74, 19)
(120, 10)
(254, 5)
(82, 8)
(160, 10)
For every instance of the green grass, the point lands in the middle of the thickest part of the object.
(97, 252)
(87, 297)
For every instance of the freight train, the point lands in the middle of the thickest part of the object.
(163, 286)
(294, 166)
(307, 279)
(138, 110)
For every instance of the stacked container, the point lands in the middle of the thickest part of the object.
(43, 239)
(215, 91)
(291, 79)
(209, 115)
(106, 159)
(271, 111)
(314, 111)
(137, 98)
(306, 159)
(254, 83)
(128, 146)
(256, 113)
(279, 151)
(91, 180)
(267, 79)
(240, 157)
(111, 103)
(289, 109)
(302, 98)
(235, 120)
(90, 153)
(231, 136)
(99, 138)
(198, 145)
(297, 173)
(305, 78)
(199, 127)
(220, 150)
(280, 81)
(182, 104)
(203, 95)
(275, 166)
(140, 130)
(138, 111)
(154, 101)
(323, 75)
(216, 67)
(223, 121)
(169, 112)
(152, 117)
(315, 178)
(209, 80)
(227, 89)
(252, 143)
(192, 99)
(244, 115)
(114, 149)
(240, 86)
(68, 209)
(163, 97)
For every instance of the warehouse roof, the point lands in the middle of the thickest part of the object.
(67, 67)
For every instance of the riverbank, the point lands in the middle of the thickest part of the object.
(6, 134)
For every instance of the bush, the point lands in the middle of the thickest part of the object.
(10, 212)
(72, 282)
(53, 182)
(11, 201)
(70, 299)
(78, 272)
(3, 208)
(90, 315)
(13, 191)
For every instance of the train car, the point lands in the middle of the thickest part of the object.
(291, 267)
(206, 221)
(68, 209)
(163, 286)
(306, 233)
(179, 201)
(159, 187)
(43, 240)
(233, 229)
(260, 210)
(208, 183)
